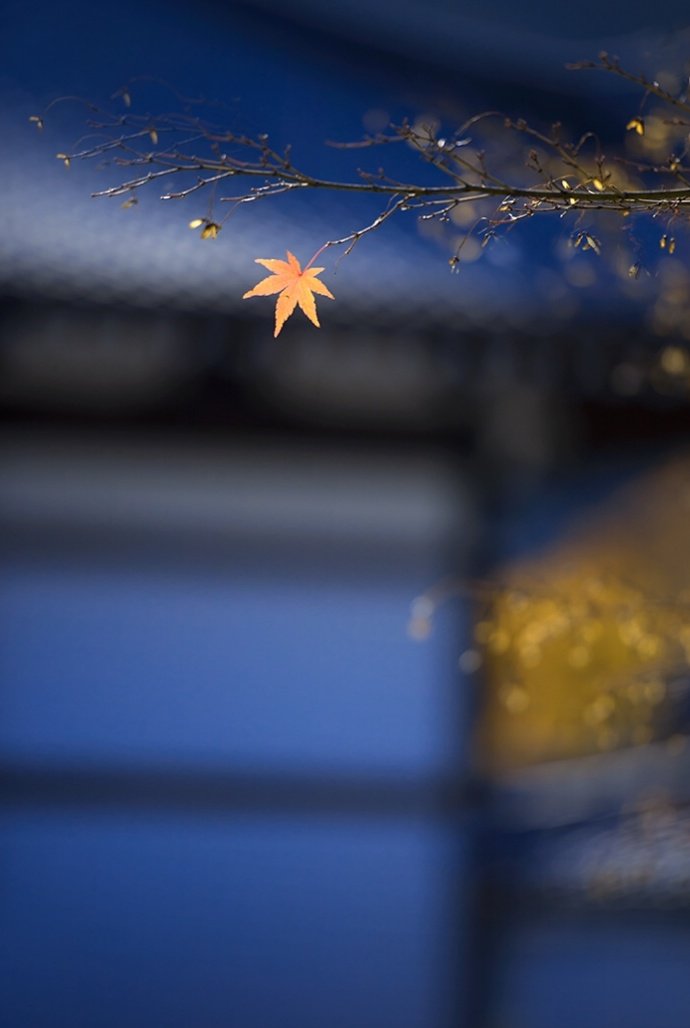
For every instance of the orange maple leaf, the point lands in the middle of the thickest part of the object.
(295, 287)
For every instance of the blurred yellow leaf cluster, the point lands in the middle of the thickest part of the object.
(581, 644)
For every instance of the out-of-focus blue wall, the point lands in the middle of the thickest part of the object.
(223, 756)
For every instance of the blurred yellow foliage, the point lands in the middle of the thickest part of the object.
(578, 643)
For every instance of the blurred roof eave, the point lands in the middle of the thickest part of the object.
(496, 45)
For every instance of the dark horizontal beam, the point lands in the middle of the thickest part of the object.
(216, 791)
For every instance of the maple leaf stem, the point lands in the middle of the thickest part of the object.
(316, 256)
(353, 238)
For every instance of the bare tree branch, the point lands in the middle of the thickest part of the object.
(483, 160)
